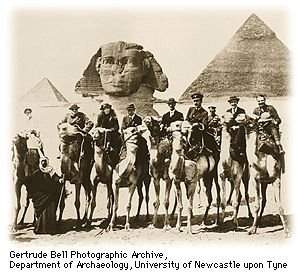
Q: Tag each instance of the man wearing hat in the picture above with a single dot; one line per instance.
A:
(131, 119)
(214, 127)
(235, 110)
(267, 113)
(82, 123)
(171, 116)
(236, 128)
(197, 114)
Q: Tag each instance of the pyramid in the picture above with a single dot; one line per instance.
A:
(254, 62)
(44, 93)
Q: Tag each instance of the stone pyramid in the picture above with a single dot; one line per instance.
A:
(254, 62)
(44, 93)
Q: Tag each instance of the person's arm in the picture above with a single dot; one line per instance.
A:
(188, 114)
(123, 124)
(181, 116)
(88, 124)
(204, 120)
(275, 116)
(115, 124)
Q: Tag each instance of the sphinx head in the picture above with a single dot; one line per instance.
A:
(124, 67)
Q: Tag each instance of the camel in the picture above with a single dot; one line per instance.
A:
(160, 154)
(102, 167)
(26, 154)
(130, 171)
(234, 165)
(268, 169)
(182, 170)
(206, 163)
(76, 168)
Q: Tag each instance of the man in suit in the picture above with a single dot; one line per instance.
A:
(171, 116)
(235, 110)
(237, 131)
(131, 119)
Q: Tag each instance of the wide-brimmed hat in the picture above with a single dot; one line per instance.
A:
(131, 107)
(171, 101)
(265, 117)
(197, 95)
(27, 109)
(74, 107)
(233, 98)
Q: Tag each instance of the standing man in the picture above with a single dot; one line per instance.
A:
(83, 124)
(275, 121)
(171, 116)
(131, 119)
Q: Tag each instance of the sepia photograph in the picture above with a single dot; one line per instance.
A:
(150, 125)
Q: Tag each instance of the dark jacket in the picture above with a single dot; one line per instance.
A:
(238, 111)
(79, 119)
(107, 121)
(167, 119)
(43, 189)
(128, 122)
(195, 115)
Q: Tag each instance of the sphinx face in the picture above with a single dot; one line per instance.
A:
(121, 70)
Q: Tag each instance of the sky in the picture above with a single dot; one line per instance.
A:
(58, 43)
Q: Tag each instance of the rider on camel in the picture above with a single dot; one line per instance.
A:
(267, 116)
(83, 124)
(108, 121)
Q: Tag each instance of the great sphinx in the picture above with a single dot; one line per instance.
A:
(122, 73)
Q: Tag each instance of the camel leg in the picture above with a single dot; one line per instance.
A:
(147, 181)
(77, 202)
(245, 179)
(199, 193)
(156, 204)
(88, 198)
(190, 187)
(166, 205)
(25, 209)
(115, 187)
(110, 200)
(223, 196)
(93, 200)
(141, 198)
(18, 187)
(264, 186)
(131, 190)
(253, 229)
(62, 204)
(218, 199)
(229, 201)
(236, 204)
(208, 186)
(277, 196)
(178, 192)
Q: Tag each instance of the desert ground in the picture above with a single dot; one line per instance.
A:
(140, 232)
